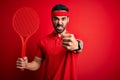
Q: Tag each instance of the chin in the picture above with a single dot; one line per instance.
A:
(60, 31)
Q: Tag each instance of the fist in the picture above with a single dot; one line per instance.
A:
(21, 63)
(69, 42)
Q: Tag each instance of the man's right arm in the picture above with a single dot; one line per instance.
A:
(24, 64)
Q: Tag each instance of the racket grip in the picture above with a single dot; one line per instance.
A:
(22, 68)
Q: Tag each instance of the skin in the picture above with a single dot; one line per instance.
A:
(68, 41)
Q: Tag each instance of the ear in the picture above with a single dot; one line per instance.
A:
(68, 19)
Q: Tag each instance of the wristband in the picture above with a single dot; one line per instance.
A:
(79, 46)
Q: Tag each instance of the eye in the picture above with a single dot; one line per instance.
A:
(64, 18)
(55, 18)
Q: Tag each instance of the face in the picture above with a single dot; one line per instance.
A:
(59, 23)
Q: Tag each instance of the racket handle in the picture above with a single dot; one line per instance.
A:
(24, 42)
(22, 68)
(23, 51)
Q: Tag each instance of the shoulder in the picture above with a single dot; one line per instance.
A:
(46, 38)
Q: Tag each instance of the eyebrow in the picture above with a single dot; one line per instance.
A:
(63, 17)
(55, 17)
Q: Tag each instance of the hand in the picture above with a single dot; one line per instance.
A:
(69, 42)
(21, 63)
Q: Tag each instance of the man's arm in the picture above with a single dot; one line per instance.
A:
(22, 63)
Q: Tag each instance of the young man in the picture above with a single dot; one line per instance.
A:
(58, 52)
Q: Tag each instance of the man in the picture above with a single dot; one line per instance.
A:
(58, 52)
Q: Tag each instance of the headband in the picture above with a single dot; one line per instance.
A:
(58, 13)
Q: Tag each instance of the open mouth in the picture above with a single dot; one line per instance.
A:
(59, 28)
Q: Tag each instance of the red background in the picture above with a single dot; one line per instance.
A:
(96, 21)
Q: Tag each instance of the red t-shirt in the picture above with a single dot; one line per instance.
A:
(57, 62)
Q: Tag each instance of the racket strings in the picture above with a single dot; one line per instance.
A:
(18, 23)
(22, 24)
(26, 21)
(32, 22)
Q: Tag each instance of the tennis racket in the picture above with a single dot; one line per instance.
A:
(25, 23)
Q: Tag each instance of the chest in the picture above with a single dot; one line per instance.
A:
(53, 48)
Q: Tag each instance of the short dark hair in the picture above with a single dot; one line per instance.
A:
(60, 7)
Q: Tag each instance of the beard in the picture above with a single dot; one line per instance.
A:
(59, 28)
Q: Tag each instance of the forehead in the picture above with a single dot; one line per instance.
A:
(60, 17)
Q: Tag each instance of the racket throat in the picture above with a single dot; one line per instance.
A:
(24, 46)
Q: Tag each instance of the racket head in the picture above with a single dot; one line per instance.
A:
(26, 21)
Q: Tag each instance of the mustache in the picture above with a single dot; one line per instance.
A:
(59, 25)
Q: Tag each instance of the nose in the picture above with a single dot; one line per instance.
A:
(60, 21)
